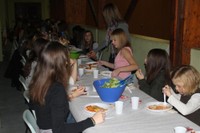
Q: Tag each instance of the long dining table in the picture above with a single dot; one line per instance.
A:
(141, 120)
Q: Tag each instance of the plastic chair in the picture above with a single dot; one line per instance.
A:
(26, 97)
(30, 121)
(23, 82)
(23, 60)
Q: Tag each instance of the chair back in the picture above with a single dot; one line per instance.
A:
(30, 121)
(26, 96)
(23, 60)
(23, 82)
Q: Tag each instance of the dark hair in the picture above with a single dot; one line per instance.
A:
(53, 66)
(111, 14)
(157, 60)
(84, 43)
(38, 46)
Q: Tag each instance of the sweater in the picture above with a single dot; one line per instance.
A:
(189, 105)
(154, 89)
(54, 113)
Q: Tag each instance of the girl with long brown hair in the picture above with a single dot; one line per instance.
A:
(48, 92)
(157, 65)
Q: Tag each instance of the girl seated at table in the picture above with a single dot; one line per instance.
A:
(187, 83)
(48, 92)
(31, 62)
(157, 65)
(88, 43)
(124, 62)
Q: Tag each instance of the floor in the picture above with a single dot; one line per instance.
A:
(12, 105)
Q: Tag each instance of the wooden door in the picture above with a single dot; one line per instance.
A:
(185, 32)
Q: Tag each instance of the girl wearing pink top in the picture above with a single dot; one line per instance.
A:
(124, 62)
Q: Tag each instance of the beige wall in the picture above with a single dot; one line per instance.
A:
(142, 45)
(195, 58)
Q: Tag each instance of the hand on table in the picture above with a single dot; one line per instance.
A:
(92, 55)
(79, 91)
(99, 117)
(115, 73)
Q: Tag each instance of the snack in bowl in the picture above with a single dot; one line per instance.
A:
(112, 83)
(111, 92)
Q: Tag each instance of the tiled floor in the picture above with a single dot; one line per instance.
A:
(12, 105)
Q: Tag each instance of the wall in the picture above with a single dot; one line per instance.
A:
(7, 18)
(2, 25)
(195, 58)
(142, 44)
(1, 54)
(10, 4)
(149, 18)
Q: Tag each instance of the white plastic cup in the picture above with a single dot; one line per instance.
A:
(95, 73)
(81, 71)
(180, 129)
(135, 102)
(93, 89)
(119, 107)
(79, 61)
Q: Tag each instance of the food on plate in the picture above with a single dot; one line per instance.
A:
(91, 66)
(94, 108)
(159, 107)
(112, 83)
(81, 66)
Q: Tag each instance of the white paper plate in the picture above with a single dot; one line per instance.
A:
(106, 73)
(83, 56)
(101, 105)
(91, 62)
(158, 106)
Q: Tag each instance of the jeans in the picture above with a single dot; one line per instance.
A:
(70, 118)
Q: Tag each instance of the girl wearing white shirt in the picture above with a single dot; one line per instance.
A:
(187, 83)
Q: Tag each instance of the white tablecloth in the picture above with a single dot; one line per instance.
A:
(131, 121)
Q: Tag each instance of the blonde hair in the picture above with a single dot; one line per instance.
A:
(189, 76)
(121, 35)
